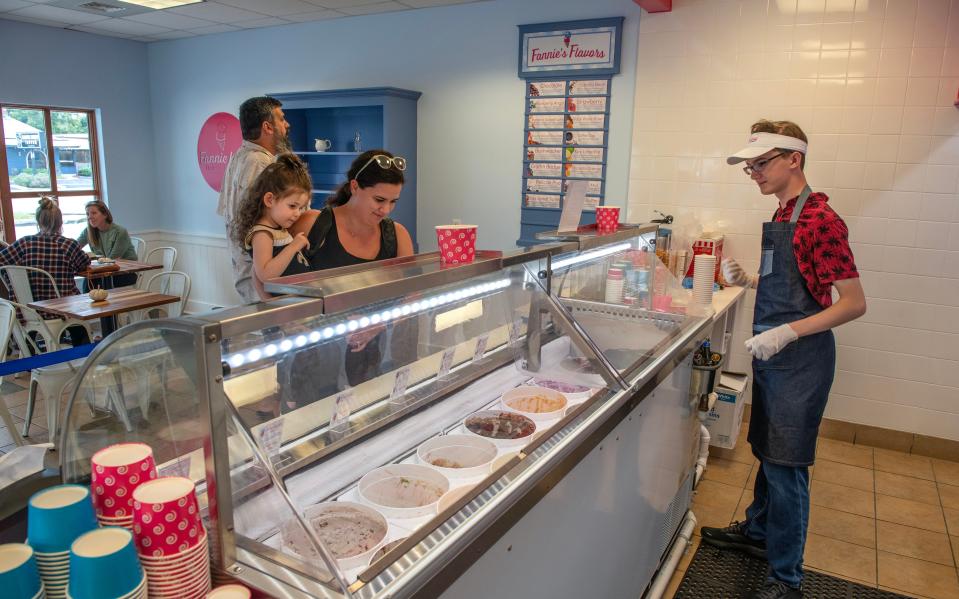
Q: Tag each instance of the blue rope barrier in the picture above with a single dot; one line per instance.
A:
(47, 359)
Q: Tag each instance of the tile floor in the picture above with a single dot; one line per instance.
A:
(881, 518)
(14, 392)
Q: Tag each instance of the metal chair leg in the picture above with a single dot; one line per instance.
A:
(53, 418)
(31, 404)
(9, 423)
(119, 400)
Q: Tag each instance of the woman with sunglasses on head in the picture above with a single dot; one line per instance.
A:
(353, 228)
(805, 255)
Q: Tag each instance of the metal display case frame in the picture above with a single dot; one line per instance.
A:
(429, 561)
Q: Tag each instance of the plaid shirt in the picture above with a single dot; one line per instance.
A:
(821, 245)
(60, 256)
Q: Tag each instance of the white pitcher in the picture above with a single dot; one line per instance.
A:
(322, 145)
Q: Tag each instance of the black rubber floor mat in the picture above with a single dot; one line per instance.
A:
(718, 574)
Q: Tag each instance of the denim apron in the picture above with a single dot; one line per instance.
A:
(791, 388)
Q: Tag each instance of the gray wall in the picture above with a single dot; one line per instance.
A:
(44, 65)
(463, 59)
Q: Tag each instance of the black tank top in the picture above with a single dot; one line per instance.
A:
(332, 254)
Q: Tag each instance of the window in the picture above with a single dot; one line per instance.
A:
(29, 169)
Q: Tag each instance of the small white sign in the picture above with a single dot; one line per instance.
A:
(270, 436)
(572, 206)
(400, 383)
(481, 342)
(181, 467)
(514, 331)
(341, 413)
(446, 363)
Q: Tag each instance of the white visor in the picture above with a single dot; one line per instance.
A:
(760, 143)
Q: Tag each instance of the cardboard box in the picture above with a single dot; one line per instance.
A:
(711, 245)
(726, 417)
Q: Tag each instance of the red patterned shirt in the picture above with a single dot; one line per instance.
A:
(821, 244)
(60, 256)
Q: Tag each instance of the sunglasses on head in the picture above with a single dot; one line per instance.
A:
(384, 162)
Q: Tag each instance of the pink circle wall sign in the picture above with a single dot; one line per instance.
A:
(219, 137)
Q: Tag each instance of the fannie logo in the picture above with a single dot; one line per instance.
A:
(219, 138)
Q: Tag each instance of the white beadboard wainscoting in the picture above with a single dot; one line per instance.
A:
(207, 260)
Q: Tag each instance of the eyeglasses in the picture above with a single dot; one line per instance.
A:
(759, 165)
(384, 162)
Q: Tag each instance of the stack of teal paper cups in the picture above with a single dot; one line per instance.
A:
(19, 576)
(104, 565)
(55, 518)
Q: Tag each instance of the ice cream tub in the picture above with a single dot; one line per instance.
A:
(458, 456)
(537, 403)
(403, 490)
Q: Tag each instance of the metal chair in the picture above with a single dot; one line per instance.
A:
(169, 283)
(165, 255)
(17, 281)
(140, 246)
(50, 382)
(8, 320)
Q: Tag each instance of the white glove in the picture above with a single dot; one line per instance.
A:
(769, 343)
(735, 275)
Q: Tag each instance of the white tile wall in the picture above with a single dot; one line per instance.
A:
(873, 83)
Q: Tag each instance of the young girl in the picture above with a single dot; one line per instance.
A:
(277, 198)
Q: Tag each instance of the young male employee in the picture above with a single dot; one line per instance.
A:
(805, 254)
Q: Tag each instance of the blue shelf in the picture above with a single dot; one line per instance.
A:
(385, 117)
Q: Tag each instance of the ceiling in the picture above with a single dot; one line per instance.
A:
(212, 16)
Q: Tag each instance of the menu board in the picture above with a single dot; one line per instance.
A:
(547, 105)
(588, 87)
(545, 121)
(544, 169)
(539, 200)
(581, 154)
(566, 139)
(545, 153)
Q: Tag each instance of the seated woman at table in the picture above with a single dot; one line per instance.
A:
(49, 250)
(107, 239)
(353, 228)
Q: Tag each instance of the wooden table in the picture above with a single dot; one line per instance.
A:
(126, 266)
(81, 307)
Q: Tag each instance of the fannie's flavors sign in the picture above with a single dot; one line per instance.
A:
(565, 49)
(219, 137)
(552, 49)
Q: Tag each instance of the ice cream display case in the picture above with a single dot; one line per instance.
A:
(404, 429)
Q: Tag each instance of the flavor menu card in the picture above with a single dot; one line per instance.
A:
(566, 125)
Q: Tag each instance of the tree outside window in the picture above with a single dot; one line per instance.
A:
(47, 151)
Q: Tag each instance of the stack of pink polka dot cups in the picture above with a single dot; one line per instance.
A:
(170, 538)
(115, 472)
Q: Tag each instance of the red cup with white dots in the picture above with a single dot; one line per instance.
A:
(607, 219)
(166, 517)
(115, 472)
(456, 244)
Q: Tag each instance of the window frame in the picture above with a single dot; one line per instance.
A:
(7, 194)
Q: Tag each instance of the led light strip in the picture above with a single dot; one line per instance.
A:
(270, 350)
(606, 251)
